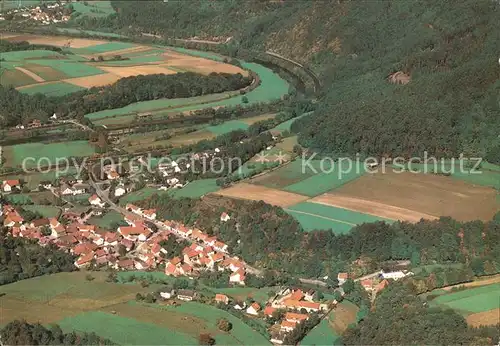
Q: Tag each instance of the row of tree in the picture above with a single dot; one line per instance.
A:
(16, 107)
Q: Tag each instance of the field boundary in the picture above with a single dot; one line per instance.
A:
(319, 216)
(30, 74)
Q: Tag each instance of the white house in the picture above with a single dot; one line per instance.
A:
(225, 217)
(237, 277)
(8, 185)
(120, 191)
(396, 275)
(166, 293)
(253, 309)
(96, 201)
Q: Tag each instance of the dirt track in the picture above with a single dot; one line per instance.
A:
(31, 74)
(257, 193)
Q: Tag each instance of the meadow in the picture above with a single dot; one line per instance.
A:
(15, 155)
(322, 334)
(44, 210)
(471, 300)
(318, 216)
(107, 220)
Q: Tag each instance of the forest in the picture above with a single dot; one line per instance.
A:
(448, 51)
(22, 259)
(7, 46)
(16, 107)
(398, 317)
(24, 333)
(266, 236)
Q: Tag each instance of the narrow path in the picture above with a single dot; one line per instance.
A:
(321, 217)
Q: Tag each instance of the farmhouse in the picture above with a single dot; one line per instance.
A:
(342, 277)
(222, 298)
(166, 292)
(9, 185)
(225, 217)
(396, 275)
(253, 309)
(238, 277)
(96, 201)
(186, 295)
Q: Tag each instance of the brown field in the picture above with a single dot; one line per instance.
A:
(197, 64)
(31, 74)
(48, 73)
(94, 81)
(16, 78)
(253, 120)
(60, 41)
(485, 318)
(343, 315)
(476, 283)
(136, 49)
(261, 193)
(372, 208)
(422, 193)
(128, 71)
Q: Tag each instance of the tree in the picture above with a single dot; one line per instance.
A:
(206, 340)
(122, 250)
(89, 277)
(224, 325)
(244, 99)
(100, 58)
(348, 286)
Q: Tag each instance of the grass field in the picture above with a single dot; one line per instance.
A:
(101, 8)
(52, 89)
(107, 220)
(473, 300)
(195, 189)
(44, 210)
(14, 155)
(19, 199)
(317, 216)
(29, 54)
(109, 47)
(310, 178)
(140, 195)
(286, 126)
(322, 334)
(227, 127)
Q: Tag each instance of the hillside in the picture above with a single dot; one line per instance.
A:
(447, 49)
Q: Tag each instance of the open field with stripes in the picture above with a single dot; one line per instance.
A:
(480, 305)
(86, 63)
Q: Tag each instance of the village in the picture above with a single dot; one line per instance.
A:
(45, 14)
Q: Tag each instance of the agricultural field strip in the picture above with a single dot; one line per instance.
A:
(319, 216)
(473, 300)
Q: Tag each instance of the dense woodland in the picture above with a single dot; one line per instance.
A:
(16, 107)
(7, 46)
(24, 333)
(22, 259)
(398, 317)
(448, 49)
(266, 236)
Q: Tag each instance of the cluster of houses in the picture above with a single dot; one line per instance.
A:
(51, 13)
(206, 253)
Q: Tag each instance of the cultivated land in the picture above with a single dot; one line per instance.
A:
(15, 155)
(37, 71)
(318, 216)
(261, 193)
(480, 305)
(422, 193)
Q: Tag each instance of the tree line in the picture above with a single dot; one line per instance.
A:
(23, 333)
(23, 258)
(7, 46)
(269, 237)
(16, 107)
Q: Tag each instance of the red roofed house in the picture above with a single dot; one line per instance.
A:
(342, 277)
(294, 317)
(297, 295)
(96, 201)
(149, 214)
(238, 277)
(84, 260)
(133, 208)
(134, 233)
(225, 217)
(8, 185)
(175, 261)
(287, 326)
(170, 269)
(367, 284)
(186, 269)
(382, 284)
(253, 309)
(220, 246)
(222, 298)
(12, 219)
(269, 310)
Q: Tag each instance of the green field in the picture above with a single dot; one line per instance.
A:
(32, 180)
(44, 210)
(89, 32)
(52, 89)
(139, 195)
(286, 125)
(109, 47)
(107, 220)
(136, 60)
(124, 330)
(471, 300)
(15, 78)
(29, 54)
(318, 216)
(19, 199)
(15, 155)
(15, 3)
(227, 127)
(322, 334)
(101, 8)
(72, 69)
(272, 87)
(195, 189)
